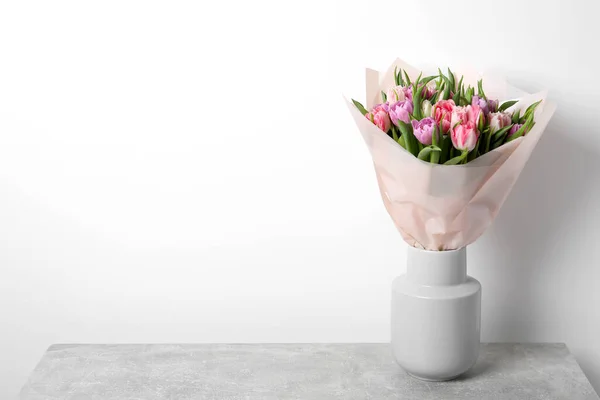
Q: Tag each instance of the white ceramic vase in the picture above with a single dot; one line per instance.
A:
(436, 315)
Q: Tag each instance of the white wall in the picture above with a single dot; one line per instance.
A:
(186, 172)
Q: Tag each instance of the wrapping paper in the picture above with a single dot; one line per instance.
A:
(446, 207)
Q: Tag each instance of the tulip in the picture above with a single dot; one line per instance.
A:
(462, 115)
(426, 108)
(379, 116)
(478, 101)
(498, 121)
(430, 90)
(395, 94)
(427, 91)
(401, 111)
(408, 92)
(442, 113)
(424, 130)
(382, 107)
(513, 129)
(492, 105)
(464, 136)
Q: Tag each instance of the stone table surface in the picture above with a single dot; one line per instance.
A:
(295, 371)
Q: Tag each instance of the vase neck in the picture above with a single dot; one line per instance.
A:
(436, 268)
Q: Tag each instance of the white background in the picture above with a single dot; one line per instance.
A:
(178, 171)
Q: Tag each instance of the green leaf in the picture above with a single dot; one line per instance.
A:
(384, 96)
(469, 95)
(497, 144)
(473, 154)
(480, 91)
(360, 107)
(481, 122)
(435, 97)
(453, 152)
(516, 116)
(401, 142)
(457, 160)
(502, 132)
(517, 134)
(400, 79)
(416, 100)
(396, 81)
(418, 79)
(428, 79)
(530, 127)
(404, 127)
(407, 78)
(440, 82)
(416, 114)
(507, 104)
(435, 156)
(394, 133)
(446, 93)
(446, 146)
(532, 107)
(409, 138)
(488, 139)
(452, 80)
(448, 85)
(427, 150)
(529, 111)
(482, 138)
(529, 123)
(456, 98)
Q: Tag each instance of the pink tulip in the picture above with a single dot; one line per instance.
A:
(498, 121)
(379, 116)
(401, 111)
(462, 115)
(424, 130)
(395, 94)
(408, 92)
(382, 120)
(442, 113)
(464, 135)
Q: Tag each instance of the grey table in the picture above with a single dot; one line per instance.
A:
(295, 371)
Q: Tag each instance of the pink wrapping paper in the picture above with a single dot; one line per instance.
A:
(445, 207)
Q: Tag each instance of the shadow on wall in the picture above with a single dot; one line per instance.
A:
(537, 278)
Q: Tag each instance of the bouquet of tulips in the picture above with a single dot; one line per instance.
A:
(441, 120)
(446, 152)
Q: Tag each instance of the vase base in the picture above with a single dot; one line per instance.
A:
(434, 380)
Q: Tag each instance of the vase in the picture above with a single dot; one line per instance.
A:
(436, 315)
